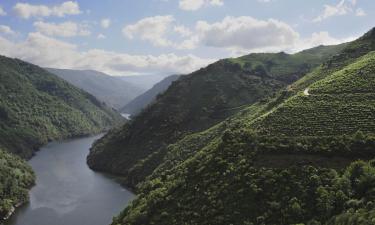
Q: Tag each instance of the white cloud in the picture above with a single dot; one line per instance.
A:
(216, 2)
(319, 38)
(243, 35)
(105, 23)
(49, 52)
(26, 10)
(342, 8)
(360, 12)
(65, 29)
(182, 30)
(2, 12)
(101, 36)
(247, 33)
(152, 29)
(6, 30)
(192, 5)
(238, 35)
(156, 30)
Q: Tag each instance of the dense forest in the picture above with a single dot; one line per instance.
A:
(16, 177)
(302, 156)
(37, 106)
(196, 102)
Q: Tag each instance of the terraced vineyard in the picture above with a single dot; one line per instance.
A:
(343, 101)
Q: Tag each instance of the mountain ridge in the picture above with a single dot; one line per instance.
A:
(235, 173)
(196, 102)
(38, 107)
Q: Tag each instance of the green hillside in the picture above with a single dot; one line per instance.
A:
(16, 177)
(303, 157)
(343, 101)
(196, 102)
(37, 107)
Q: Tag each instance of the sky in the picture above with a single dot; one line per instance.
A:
(135, 37)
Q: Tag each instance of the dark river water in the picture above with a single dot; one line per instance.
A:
(67, 191)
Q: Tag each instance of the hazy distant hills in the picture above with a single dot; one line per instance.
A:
(114, 91)
(140, 102)
(144, 82)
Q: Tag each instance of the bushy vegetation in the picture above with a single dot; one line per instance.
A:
(196, 102)
(16, 177)
(224, 184)
(36, 107)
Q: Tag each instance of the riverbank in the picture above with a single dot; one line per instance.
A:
(36, 148)
(12, 210)
(67, 192)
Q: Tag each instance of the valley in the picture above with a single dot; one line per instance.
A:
(67, 191)
(204, 112)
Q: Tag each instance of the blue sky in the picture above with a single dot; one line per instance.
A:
(122, 37)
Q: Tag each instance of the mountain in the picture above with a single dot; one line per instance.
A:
(304, 156)
(144, 81)
(115, 92)
(37, 107)
(143, 100)
(196, 102)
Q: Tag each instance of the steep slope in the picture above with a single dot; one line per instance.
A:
(286, 161)
(114, 91)
(136, 105)
(16, 177)
(344, 101)
(36, 107)
(194, 103)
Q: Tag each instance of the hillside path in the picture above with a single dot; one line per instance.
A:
(306, 92)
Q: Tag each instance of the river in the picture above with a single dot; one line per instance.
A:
(67, 192)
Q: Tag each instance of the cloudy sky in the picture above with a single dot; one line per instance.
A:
(131, 37)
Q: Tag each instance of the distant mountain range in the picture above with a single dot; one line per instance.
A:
(143, 100)
(114, 91)
(144, 82)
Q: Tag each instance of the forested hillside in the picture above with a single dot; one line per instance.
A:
(194, 103)
(37, 106)
(302, 157)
